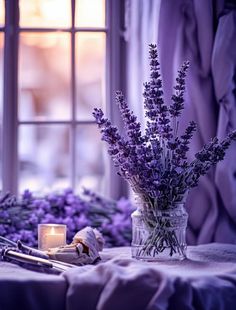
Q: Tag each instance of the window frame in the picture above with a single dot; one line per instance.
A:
(115, 79)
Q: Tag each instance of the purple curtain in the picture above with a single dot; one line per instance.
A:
(203, 32)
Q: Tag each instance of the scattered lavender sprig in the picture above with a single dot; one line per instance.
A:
(19, 218)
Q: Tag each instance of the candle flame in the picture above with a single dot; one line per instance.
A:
(52, 231)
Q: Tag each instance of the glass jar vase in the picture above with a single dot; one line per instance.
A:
(160, 235)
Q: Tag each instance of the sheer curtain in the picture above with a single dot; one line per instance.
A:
(203, 32)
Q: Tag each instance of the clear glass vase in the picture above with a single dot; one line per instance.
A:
(160, 235)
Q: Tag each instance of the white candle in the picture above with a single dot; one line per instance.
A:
(53, 240)
(51, 236)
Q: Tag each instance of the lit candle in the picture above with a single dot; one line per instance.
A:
(51, 236)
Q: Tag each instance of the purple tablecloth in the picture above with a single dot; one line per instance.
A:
(22, 289)
(206, 280)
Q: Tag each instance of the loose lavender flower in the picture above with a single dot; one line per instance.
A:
(19, 220)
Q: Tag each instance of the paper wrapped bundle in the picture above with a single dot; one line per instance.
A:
(83, 250)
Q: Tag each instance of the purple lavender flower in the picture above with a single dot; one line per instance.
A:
(121, 151)
(180, 146)
(27, 195)
(156, 111)
(178, 98)
(155, 164)
(132, 126)
(20, 220)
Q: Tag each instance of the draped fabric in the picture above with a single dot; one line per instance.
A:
(24, 289)
(203, 32)
(206, 280)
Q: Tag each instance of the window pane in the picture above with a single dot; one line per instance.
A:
(90, 13)
(44, 76)
(2, 13)
(90, 69)
(45, 13)
(90, 158)
(1, 101)
(43, 157)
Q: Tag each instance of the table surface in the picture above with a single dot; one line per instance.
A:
(205, 280)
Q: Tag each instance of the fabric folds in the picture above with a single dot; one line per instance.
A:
(206, 280)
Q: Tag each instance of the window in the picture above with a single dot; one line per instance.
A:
(60, 55)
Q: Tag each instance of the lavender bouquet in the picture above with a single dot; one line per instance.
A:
(154, 162)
